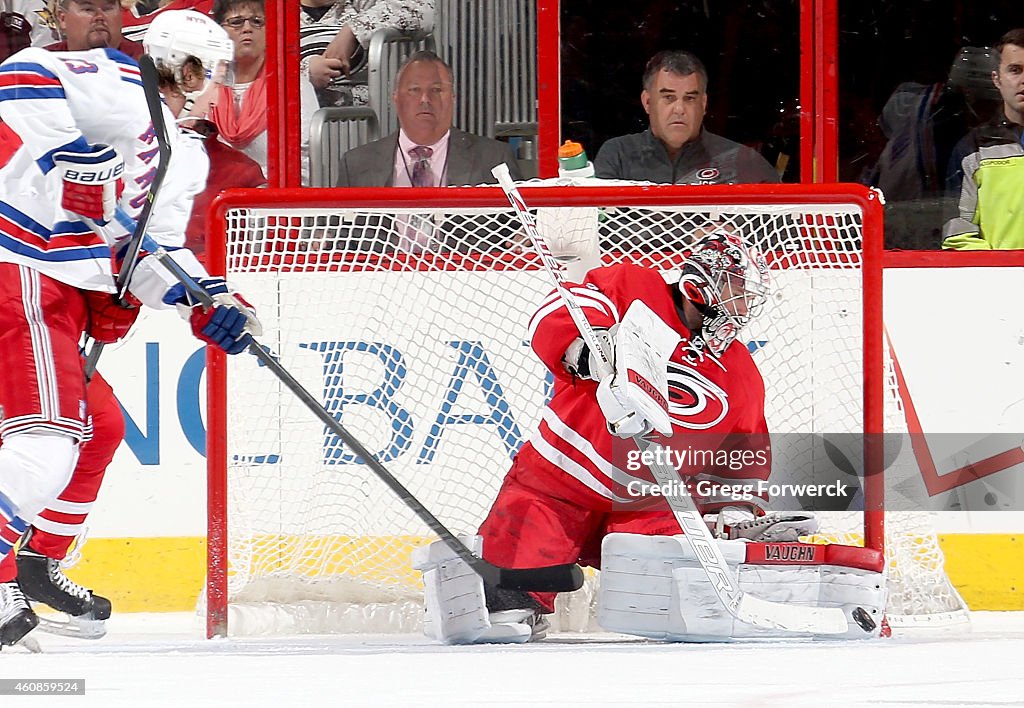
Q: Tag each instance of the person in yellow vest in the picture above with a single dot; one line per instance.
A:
(992, 194)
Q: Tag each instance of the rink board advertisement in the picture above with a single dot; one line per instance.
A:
(963, 364)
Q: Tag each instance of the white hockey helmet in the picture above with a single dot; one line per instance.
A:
(727, 280)
(176, 35)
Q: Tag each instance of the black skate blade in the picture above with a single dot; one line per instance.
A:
(553, 578)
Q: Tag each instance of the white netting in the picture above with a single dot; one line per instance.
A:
(412, 325)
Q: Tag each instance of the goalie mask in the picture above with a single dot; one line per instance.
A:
(727, 281)
(191, 46)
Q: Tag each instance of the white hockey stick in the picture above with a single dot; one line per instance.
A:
(745, 607)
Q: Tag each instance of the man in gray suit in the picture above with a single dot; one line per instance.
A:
(426, 151)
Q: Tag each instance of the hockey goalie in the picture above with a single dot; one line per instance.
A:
(578, 491)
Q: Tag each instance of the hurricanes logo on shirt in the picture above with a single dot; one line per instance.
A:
(694, 401)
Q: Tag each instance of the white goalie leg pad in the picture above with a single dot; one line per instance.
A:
(640, 592)
(654, 586)
(455, 608)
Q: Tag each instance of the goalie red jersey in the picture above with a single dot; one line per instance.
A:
(716, 404)
(574, 482)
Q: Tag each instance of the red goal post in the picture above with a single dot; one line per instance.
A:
(326, 271)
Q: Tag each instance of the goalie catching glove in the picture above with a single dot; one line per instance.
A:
(635, 400)
(230, 324)
(92, 181)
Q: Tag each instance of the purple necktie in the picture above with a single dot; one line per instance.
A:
(421, 174)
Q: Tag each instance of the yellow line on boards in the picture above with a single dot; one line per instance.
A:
(167, 574)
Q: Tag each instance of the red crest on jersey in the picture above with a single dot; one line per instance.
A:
(694, 401)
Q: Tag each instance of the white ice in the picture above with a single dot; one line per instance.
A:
(163, 660)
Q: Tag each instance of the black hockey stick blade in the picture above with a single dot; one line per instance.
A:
(154, 103)
(555, 578)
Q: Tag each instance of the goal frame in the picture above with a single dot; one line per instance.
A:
(867, 200)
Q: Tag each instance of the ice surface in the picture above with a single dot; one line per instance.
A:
(163, 660)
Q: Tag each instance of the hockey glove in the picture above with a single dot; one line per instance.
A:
(109, 321)
(92, 181)
(581, 362)
(625, 417)
(635, 400)
(229, 324)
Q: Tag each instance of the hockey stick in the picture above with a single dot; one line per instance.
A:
(555, 578)
(743, 606)
(151, 87)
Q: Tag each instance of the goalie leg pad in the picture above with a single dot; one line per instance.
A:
(654, 586)
(455, 604)
(455, 609)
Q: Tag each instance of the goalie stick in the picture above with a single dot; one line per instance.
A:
(743, 606)
(555, 578)
(150, 85)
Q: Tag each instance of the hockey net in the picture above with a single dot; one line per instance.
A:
(410, 320)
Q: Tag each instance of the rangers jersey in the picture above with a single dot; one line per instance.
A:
(716, 404)
(51, 101)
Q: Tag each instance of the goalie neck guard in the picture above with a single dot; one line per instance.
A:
(176, 36)
(727, 281)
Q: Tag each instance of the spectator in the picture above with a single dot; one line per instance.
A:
(676, 149)
(228, 167)
(240, 113)
(334, 37)
(993, 170)
(91, 24)
(426, 150)
(25, 23)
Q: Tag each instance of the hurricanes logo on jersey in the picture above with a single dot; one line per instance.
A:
(694, 402)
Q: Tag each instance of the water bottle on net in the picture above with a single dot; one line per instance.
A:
(573, 162)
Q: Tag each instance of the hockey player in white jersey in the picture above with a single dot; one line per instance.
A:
(77, 143)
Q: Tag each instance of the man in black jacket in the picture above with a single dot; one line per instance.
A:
(676, 149)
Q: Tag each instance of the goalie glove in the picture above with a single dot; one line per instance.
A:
(635, 400)
(230, 324)
(92, 181)
(581, 362)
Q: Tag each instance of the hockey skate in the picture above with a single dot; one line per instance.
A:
(515, 627)
(774, 527)
(43, 580)
(16, 618)
(515, 618)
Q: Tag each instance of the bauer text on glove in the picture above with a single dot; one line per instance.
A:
(92, 181)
